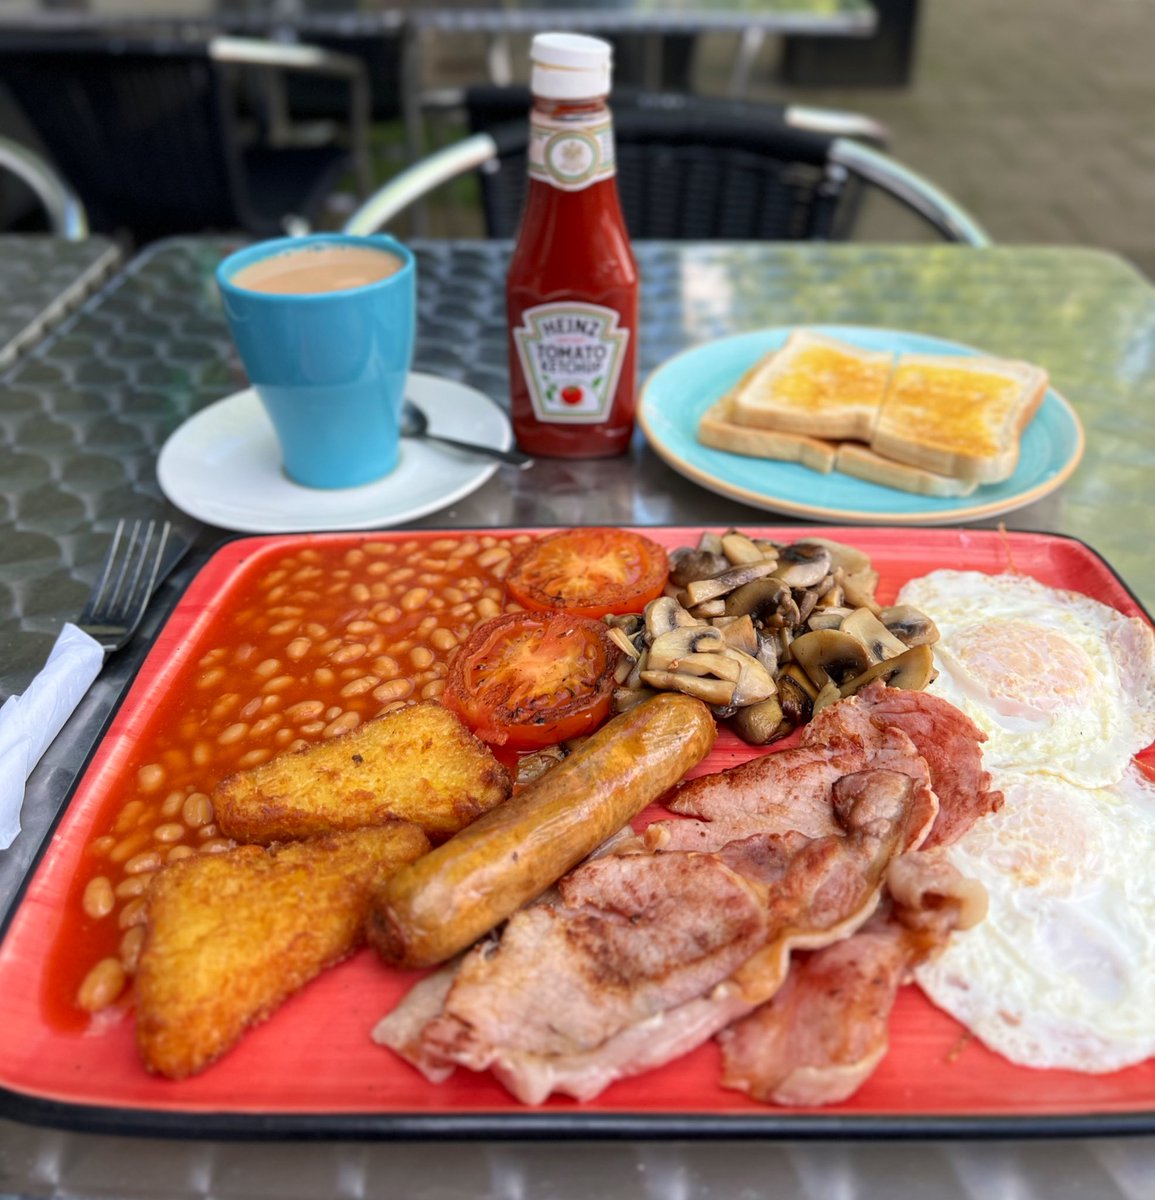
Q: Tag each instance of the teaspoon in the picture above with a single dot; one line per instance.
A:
(415, 424)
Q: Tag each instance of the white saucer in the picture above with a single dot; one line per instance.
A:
(223, 466)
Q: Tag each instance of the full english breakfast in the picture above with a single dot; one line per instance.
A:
(898, 768)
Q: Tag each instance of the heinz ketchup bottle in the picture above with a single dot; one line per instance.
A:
(572, 290)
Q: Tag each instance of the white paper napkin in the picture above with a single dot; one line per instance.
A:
(29, 722)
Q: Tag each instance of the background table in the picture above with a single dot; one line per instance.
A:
(752, 21)
(390, 34)
(84, 415)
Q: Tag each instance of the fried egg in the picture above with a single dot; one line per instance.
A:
(1060, 683)
(1062, 971)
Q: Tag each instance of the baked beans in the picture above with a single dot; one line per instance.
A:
(130, 947)
(306, 647)
(99, 898)
(102, 985)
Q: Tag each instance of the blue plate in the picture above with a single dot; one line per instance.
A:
(677, 394)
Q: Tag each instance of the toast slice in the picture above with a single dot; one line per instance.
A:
(851, 458)
(962, 417)
(814, 385)
(716, 429)
(862, 462)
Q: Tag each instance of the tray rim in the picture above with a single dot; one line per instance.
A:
(533, 1124)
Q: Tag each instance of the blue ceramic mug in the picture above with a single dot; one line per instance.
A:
(330, 366)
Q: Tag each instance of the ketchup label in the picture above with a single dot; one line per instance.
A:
(571, 355)
(570, 154)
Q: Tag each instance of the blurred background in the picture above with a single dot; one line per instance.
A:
(1037, 116)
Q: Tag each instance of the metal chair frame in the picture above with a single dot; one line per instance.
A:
(66, 214)
(278, 59)
(847, 156)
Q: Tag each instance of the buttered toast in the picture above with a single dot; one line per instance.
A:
(958, 416)
(815, 386)
(864, 463)
(938, 425)
(717, 429)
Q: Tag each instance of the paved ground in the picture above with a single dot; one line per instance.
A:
(1037, 115)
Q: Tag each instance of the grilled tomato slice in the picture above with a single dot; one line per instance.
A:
(589, 571)
(531, 679)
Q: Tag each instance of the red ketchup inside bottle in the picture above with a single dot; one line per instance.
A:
(572, 289)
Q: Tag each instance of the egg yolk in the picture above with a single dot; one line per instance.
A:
(1024, 668)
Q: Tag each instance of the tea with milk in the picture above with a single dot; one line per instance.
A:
(314, 269)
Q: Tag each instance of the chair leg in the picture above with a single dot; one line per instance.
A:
(411, 89)
(653, 49)
(499, 60)
(360, 108)
(749, 46)
(411, 83)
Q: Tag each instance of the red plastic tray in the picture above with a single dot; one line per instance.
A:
(312, 1067)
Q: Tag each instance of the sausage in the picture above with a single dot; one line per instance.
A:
(433, 908)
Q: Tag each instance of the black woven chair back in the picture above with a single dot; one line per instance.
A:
(145, 132)
(687, 169)
(137, 132)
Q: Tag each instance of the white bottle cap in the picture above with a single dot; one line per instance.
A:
(569, 66)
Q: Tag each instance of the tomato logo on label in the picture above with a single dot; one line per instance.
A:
(571, 394)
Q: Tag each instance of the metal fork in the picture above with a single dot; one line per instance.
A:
(131, 568)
